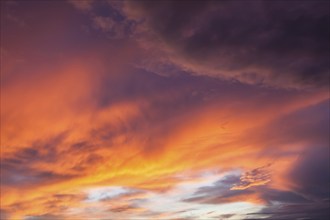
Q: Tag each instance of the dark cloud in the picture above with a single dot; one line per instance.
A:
(220, 191)
(107, 17)
(312, 173)
(225, 190)
(308, 211)
(232, 187)
(226, 216)
(140, 84)
(18, 170)
(272, 195)
(17, 174)
(266, 42)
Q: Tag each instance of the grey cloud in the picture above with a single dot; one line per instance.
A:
(313, 198)
(221, 192)
(308, 211)
(277, 43)
(218, 193)
(312, 173)
(44, 217)
(15, 174)
(106, 16)
(279, 204)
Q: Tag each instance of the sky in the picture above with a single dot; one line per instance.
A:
(180, 110)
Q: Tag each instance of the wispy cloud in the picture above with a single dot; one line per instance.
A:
(256, 177)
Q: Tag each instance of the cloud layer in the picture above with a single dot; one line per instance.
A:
(283, 44)
(164, 111)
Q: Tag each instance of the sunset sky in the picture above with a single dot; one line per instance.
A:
(164, 109)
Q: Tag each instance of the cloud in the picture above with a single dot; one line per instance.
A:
(40, 217)
(311, 173)
(81, 111)
(307, 198)
(118, 147)
(104, 23)
(256, 177)
(83, 5)
(117, 142)
(268, 43)
(21, 169)
(44, 207)
(113, 28)
(220, 192)
(107, 17)
(294, 211)
(3, 214)
(127, 208)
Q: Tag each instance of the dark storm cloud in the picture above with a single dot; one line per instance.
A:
(282, 43)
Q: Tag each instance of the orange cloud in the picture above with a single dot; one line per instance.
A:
(257, 177)
(199, 140)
